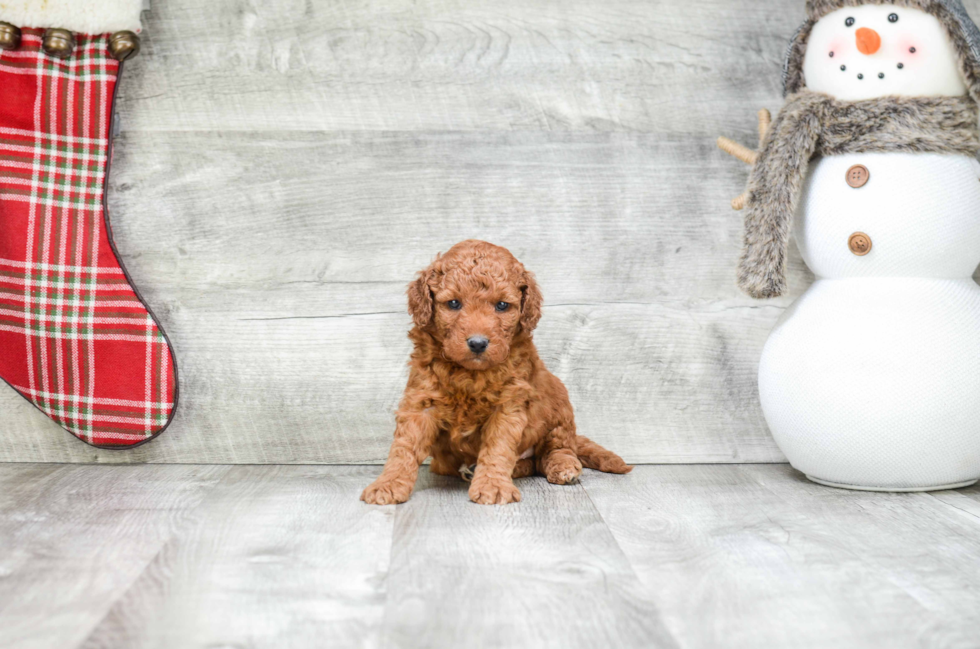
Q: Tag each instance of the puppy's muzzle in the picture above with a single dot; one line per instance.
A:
(477, 344)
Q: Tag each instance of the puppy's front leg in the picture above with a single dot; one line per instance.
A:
(492, 483)
(415, 432)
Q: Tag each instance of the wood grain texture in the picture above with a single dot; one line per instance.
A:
(705, 556)
(756, 556)
(544, 572)
(286, 167)
(281, 557)
(73, 539)
(437, 65)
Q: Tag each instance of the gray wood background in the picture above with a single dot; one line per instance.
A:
(285, 167)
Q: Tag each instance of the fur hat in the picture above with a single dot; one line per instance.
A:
(961, 29)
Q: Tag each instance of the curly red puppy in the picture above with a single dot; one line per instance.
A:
(477, 390)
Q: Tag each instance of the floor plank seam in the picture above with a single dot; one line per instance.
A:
(609, 529)
(386, 632)
(177, 530)
(644, 590)
(951, 505)
(123, 592)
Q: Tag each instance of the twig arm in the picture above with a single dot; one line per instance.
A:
(745, 154)
(736, 150)
(765, 121)
(738, 203)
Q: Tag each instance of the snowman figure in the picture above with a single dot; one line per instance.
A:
(871, 379)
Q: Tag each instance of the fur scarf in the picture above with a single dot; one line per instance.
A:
(816, 124)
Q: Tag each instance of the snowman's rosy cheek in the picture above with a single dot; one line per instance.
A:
(907, 44)
(908, 52)
(839, 47)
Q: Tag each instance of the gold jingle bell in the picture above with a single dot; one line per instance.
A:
(124, 45)
(9, 37)
(59, 43)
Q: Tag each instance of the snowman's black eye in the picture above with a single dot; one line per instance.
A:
(849, 22)
(893, 18)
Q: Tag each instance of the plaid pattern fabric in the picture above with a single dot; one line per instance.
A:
(75, 339)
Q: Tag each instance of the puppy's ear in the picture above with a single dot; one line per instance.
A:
(530, 302)
(420, 301)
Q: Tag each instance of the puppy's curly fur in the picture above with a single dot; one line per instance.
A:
(499, 408)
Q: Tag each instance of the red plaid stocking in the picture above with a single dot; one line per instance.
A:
(75, 338)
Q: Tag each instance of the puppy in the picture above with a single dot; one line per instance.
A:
(477, 391)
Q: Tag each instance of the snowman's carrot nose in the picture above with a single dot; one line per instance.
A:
(868, 41)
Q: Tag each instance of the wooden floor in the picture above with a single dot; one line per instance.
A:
(670, 556)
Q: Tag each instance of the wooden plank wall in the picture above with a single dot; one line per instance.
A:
(285, 167)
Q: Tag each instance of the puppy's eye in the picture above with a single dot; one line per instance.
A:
(893, 18)
(849, 22)
(502, 306)
(455, 305)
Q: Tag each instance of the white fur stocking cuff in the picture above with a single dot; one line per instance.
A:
(82, 16)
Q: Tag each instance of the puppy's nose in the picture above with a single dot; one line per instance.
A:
(477, 344)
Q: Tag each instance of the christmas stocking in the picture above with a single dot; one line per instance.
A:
(76, 339)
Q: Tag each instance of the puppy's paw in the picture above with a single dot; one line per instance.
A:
(387, 492)
(494, 491)
(563, 470)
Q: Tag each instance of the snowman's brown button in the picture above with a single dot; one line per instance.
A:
(859, 243)
(858, 176)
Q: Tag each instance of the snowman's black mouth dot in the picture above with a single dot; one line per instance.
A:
(912, 49)
(881, 75)
(901, 65)
(831, 55)
(843, 68)
(860, 76)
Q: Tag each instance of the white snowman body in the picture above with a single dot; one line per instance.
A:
(871, 379)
